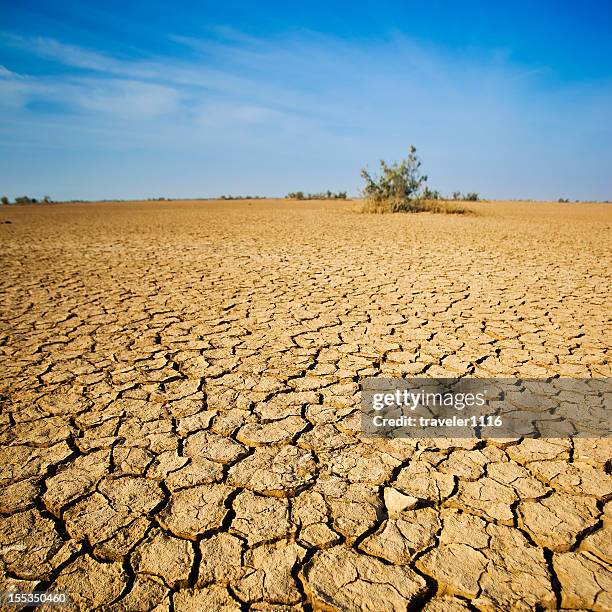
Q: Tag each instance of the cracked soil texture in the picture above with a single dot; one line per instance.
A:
(179, 395)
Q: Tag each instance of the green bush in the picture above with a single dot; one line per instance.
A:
(471, 197)
(399, 186)
(4, 200)
(402, 188)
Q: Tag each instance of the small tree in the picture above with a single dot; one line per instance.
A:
(456, 195)
(4, 200)
(399, 186)
(471, 197)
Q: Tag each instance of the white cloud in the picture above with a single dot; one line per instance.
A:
(121, 98)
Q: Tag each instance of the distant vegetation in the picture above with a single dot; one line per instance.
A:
(402, 188)
(247, 197)
(322, 195)
(457, 196)
(25, 200)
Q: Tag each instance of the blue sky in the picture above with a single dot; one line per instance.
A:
(148, 99)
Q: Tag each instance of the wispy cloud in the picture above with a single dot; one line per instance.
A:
(119, 98)
(308, 96)
(68, 55)
(157, 69)
(124, 98)
(309, 74)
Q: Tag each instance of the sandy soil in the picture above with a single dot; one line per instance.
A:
(179, 389)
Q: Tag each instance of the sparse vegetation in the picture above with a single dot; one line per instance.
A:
(246, 197)
(429, 194)
(320, 195)
(563, 200)
(471, 196)
(26, 200)
(443, 207)
(402, 188)
(295, 195)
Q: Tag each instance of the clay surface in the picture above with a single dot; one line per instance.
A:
(179, 395)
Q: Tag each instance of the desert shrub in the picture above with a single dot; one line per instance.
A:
(398, 188)
(429, 194)
(319, 195)
(327, 195)
(4, 200)
(471, 196)
(563, 200)
(441, 206)
(295, 195)
(413, 206)
(25, 200)
(232, 197)
(401, 188)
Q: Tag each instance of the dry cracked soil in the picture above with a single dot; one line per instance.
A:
(179, 400)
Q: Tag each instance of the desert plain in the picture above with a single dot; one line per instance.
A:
(180, 391)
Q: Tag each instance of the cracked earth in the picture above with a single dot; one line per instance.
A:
(179, 396)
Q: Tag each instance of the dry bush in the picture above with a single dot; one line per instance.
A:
(382, 206)
(444, 207)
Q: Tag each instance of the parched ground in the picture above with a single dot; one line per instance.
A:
(179, 391)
